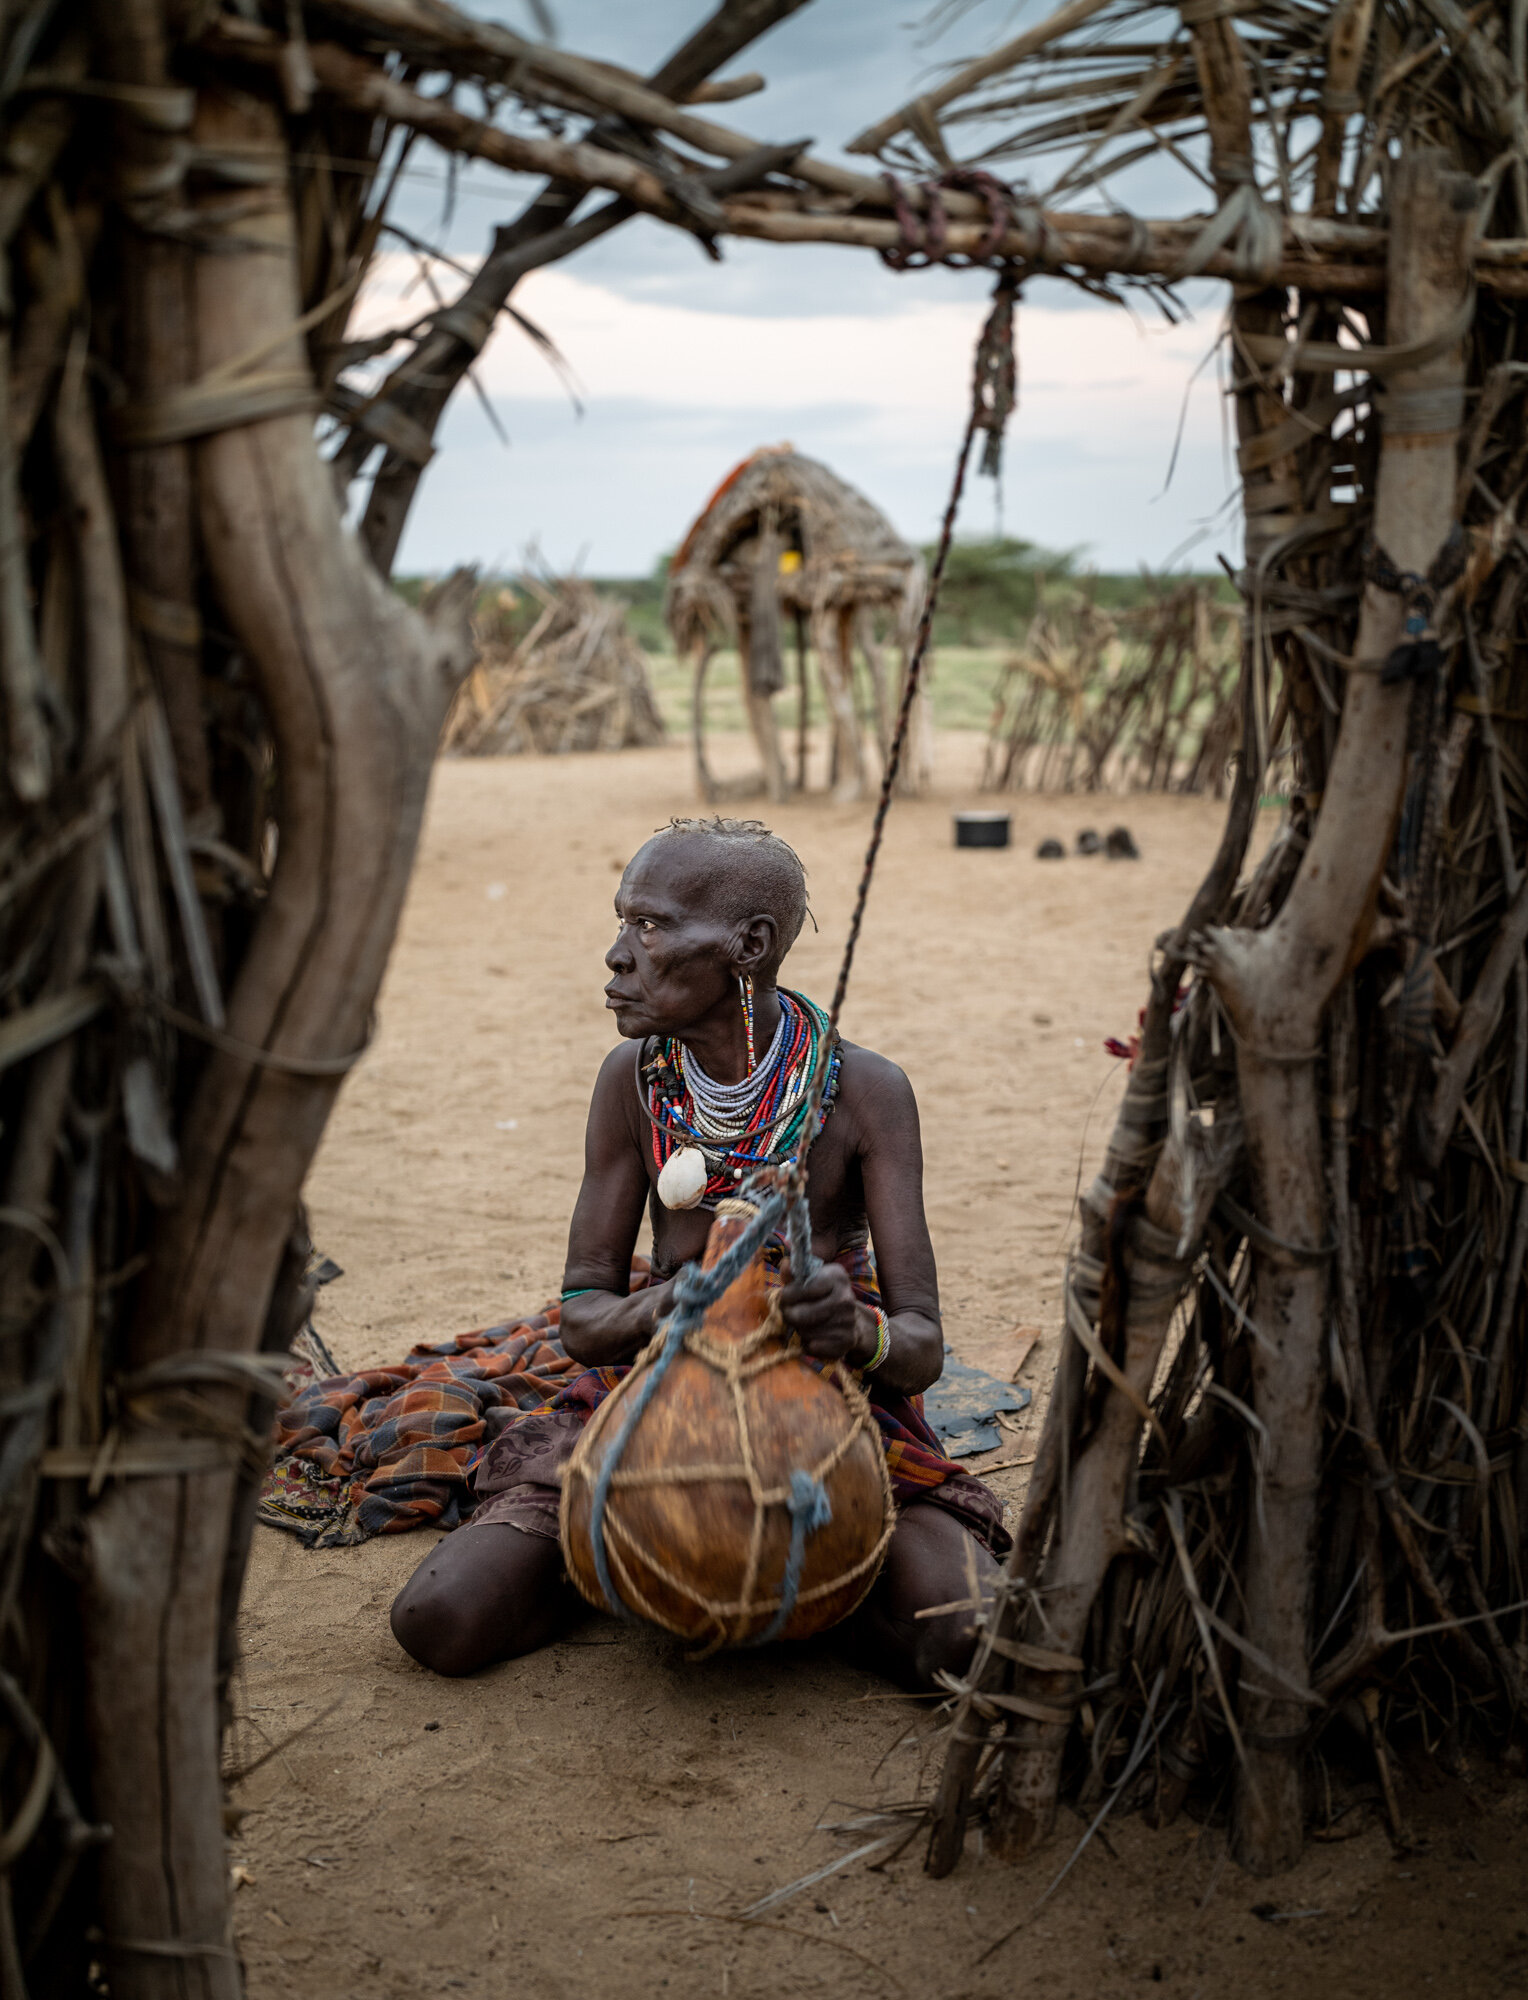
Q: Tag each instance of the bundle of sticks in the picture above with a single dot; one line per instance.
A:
(1146, 699)
(576, 680)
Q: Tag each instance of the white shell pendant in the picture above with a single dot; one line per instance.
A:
(682, 1180)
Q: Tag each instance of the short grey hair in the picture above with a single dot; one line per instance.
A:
(760, 874)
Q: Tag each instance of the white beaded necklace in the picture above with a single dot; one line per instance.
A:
(723, 1110)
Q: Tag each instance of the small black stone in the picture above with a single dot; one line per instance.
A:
(1120, 846)
(1088, 841)
(1050, 850)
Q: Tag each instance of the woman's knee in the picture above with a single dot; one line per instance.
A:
(933, 1561)
(482, 1595)
(435, 1627)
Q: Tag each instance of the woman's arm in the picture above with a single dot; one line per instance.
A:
(607, 1323)
(824, 1313)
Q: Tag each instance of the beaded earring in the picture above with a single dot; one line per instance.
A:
(745, 988)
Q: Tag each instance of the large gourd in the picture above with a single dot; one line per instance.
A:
(746, 1464)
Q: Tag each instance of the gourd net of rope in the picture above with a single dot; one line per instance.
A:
(726, 1490)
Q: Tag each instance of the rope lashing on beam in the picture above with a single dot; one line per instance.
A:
(1246, 225)
(924, 237)
(1421, 651)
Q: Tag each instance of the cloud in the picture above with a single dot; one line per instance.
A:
(674, 395)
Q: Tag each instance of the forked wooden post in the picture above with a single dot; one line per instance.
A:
(1275, 985)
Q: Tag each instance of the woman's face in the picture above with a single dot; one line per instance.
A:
(673, 958)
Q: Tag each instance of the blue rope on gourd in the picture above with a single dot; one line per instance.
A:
(695, 1289)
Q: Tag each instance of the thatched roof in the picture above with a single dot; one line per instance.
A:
(835, 550)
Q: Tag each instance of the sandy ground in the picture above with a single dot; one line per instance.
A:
(580, 1826)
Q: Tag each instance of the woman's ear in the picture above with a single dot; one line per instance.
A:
(754, 944)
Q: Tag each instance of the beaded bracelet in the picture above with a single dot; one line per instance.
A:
(882, 1343)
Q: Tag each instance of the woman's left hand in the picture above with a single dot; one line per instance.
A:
(823, 1314)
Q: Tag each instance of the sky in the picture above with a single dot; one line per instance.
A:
(682, 366)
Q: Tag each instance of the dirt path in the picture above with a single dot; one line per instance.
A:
(587, 1822)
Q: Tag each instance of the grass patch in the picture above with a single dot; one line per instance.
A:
(960, 686)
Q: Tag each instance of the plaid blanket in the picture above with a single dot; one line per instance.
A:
(397, 1448)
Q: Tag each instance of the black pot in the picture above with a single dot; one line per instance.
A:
(982, 829)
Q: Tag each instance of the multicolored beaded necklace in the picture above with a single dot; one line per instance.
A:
(758, 1122)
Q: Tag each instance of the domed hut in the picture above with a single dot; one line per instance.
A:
(784, 541)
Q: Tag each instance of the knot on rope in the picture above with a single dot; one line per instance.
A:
(1420, 653)
(925, 237)
(810, 1509)
(809, 1504)
(692, 1290)
(803, 1262)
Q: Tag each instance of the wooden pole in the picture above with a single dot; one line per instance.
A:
(356, 687)
(864, 632)
(1275, 985)
(1139, 1169)
(705, 783)
(157, 505)
(760, 710)
(803, 701)
(848, 757)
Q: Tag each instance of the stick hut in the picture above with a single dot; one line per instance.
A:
(784, 545)
(217, 725)
(1279, 1508)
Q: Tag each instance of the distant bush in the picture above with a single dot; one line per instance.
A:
(991, 588)
(991, 591)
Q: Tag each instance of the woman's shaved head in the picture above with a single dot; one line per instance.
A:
(740, 870)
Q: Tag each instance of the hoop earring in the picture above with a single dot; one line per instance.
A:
(745, 989)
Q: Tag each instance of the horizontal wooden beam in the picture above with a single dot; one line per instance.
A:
(1345, 259)
(367, 87)
(1095, 246)
(576, 81)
